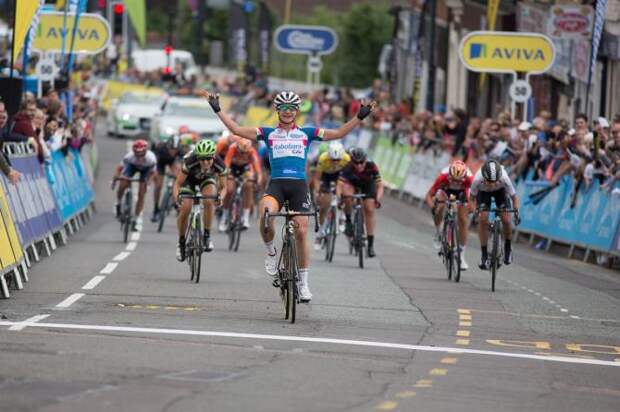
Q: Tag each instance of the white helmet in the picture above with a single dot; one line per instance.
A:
(287, 98)
(335, 150)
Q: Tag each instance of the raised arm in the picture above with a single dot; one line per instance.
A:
(214, 101)
(365, 109)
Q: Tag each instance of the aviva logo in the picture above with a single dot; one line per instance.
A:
(477, 51)
(508, 52)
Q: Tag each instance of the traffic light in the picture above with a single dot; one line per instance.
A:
(118, 17)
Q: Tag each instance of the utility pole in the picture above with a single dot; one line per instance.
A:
(430, 95)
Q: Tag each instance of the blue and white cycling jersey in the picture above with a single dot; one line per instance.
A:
(288, 151)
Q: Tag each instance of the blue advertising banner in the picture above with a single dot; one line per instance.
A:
(70, 183)
(593, 221)
(313, 40)
(33, 206)
(60, 187)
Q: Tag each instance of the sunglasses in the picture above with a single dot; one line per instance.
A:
(359, 163)
(285, 107)
(205, 159)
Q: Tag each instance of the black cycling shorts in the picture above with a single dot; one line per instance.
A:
(192, 183)
(164, 160)
(294, 190)
(499, 196)
(326, 181)
(368, 187)
(238, 171)
(458, 194)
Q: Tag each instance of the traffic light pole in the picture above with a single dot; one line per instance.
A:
(430, 94)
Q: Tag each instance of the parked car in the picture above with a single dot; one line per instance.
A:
(193, 112)
(132, 113)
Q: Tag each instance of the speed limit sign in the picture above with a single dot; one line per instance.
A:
(520, 91)
(46, 69)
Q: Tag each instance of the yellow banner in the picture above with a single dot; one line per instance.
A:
(10, 248)
(24, 13)
(114, 90)
(507, 52)
(91, 37)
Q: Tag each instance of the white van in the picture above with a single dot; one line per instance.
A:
(156, 59)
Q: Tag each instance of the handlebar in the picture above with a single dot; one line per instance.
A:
(289, 214)
(198, 196)
(127, 179)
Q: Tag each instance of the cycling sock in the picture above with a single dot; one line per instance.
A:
(224, 215)
(507, 246)
(207, 233)
(485, 252)
(348, 218)
(303, 276)
(271, 249)
(246, 214)
(371, 240)
(182, 240)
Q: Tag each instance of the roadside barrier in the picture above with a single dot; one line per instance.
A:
(48, 202)
(592, 224)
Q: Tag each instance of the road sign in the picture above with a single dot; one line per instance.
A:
(520, 91)
(313, 40)
(314, 64)
(507, 52)
(46, 68)
(92, 34)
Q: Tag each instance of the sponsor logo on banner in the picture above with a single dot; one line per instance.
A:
(507, 52)
(571, 21)
(91, 36)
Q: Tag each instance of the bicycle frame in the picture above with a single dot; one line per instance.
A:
(358, 241)
(450, 238)
(496, 231)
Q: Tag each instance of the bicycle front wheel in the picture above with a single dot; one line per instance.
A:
(126, 215)
(456, 247)
(359, 237)
(494, 256)
(197, 250)
(333, 233)
(163, 211)
(293, 272)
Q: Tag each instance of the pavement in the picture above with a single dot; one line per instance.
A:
(104, 325)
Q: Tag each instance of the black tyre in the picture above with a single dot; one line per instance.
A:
(359, 237)
(292, 292)
(333, 233)
(197, 252)
(456, 247)
(189, 255)
(163, 211)
(494, 256)
(126, 215)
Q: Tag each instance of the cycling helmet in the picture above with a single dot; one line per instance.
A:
(244, 145)
(140, 147)
(287, 98)
(323, 147)
(187, 139)
(183, 129)
(491, 171)
(457, 170)
(205, 148)
(358, 155)
(336, 150)
(173, 142)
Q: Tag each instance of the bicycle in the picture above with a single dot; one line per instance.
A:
(126, 216)
(166, 201)
(357, 242)
(450, 239)
(288, 270)
(331, 226)
(193, 234)
(497, 251)
(235, 222)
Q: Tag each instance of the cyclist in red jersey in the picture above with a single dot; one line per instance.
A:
(453, 180)
(242, 161)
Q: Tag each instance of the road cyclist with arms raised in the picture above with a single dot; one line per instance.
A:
(455, 180)
(288, 146)
(492, 183)
(201, 170)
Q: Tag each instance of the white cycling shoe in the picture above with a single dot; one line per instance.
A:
(305, 295)
(223, 225)
(271, 264)
(464, 265)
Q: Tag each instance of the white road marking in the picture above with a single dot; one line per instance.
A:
(135, 236)
(346, 342)
(70, 300)
(131, 246)
(93, 282)
(109, 268)
(574, 316)
(27, 322)
(121, 256)
(563, 310)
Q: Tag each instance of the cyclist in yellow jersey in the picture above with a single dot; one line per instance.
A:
(328, 168)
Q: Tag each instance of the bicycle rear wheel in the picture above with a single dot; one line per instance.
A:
(163, 210)
(494, 256)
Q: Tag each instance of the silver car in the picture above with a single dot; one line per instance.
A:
(131, 115)
(192, 112)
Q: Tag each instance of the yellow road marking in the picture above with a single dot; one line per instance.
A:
(464, 311)
(387, 406)
(170, 308)
(520, 344)
(449, 360)
(152, 306)
(465, 323)
(406, 394)
(572, 355)
(463, 333)
(424, 383)
(438, 372)
(606, 349)
(464, 317)
(462, 342)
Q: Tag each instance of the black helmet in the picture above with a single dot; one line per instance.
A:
(491, 171)
(358, 155)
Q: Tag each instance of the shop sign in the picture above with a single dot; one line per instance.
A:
(571, 21)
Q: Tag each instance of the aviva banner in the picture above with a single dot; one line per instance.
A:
(507, 52)
(91, 36)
